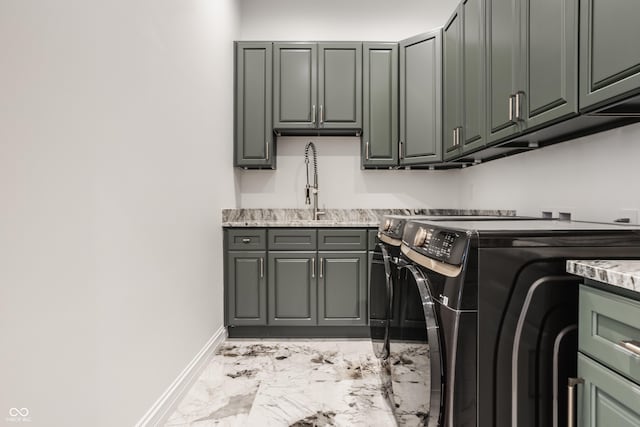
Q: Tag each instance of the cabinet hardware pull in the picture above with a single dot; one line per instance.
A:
(366, 150)
(267, 148)
(518, 106)
(457, 137)
(313, 114)
(313, 268)
(631, 346)
(401, 150)
(321, 114)
(246, 240)
(321, 267)
(510, 108)
(571, 403)
(453, 144)
(261, 268)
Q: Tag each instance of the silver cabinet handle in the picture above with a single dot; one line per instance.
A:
(321, 114)
(246, 240)
(267, 149)
(453, 144)
(313, 114)
(321, 267)
(401, 150)
(630, 346)
(518, 106)
(261, 268)
(571, 403)
(366, 150)
(313, 268)
(510, 108)
(459, 133)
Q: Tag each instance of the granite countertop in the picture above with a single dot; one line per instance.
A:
(333, 217)
(621, 273)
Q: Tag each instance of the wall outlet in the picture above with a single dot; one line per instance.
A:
(632, 214)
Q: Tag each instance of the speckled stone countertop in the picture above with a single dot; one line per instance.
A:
(621, 273)
(333, 217)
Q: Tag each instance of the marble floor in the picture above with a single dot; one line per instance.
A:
(288, 383)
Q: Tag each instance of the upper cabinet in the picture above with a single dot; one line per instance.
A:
(531, 64)
(421, 99)
(380, 105)
(253, 100)
(317, 85)
(464, 80)
(609, 51)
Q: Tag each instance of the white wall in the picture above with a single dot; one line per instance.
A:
(342, 183)
(115, 161)
(595, 178)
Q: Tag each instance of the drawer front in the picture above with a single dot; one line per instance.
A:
(292, 239)
(605, 321)
(342, 240)
(247, 239)
(373, 239)
(606, 398)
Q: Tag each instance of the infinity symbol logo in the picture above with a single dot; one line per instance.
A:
(15, 412)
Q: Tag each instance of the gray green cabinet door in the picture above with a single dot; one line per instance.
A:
(452, 84)
(295, 83)
(474, 119)
(246, 288)
(253, 120)
(503, 67)
(342, 288)
(421, 99)
(380, 105)
(550, 56)
(606, 399)
(609, 51)
(340, 85)
(292, 288)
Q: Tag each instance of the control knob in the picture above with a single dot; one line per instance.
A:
(420, 237)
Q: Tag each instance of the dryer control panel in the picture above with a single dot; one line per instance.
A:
(443, 245)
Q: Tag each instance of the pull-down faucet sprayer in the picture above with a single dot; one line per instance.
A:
(312, 188)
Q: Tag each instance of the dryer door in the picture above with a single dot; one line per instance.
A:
(415, 353)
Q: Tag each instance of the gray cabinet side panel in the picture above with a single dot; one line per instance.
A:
(380, 104)
(421, 99)
(609, 51)
(342, 289)
(292, 288)
(340, 85)
(295, 84)
(551, 42)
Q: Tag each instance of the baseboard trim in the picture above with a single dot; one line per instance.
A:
(167, 403)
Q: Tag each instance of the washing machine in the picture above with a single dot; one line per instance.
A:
(496, 337)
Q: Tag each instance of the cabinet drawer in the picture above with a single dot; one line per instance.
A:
(605, 321)
(247, 239)
(292, 239)
(606, 398)
(342, 240)
(373, 239)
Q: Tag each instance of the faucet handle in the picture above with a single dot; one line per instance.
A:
(307, 196)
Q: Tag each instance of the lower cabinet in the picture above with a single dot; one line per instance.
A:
(292, 288)
(610, 372)
(247, 295)
(304, 277)
(342, 288)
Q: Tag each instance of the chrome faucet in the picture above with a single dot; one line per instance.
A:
(312, 188)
